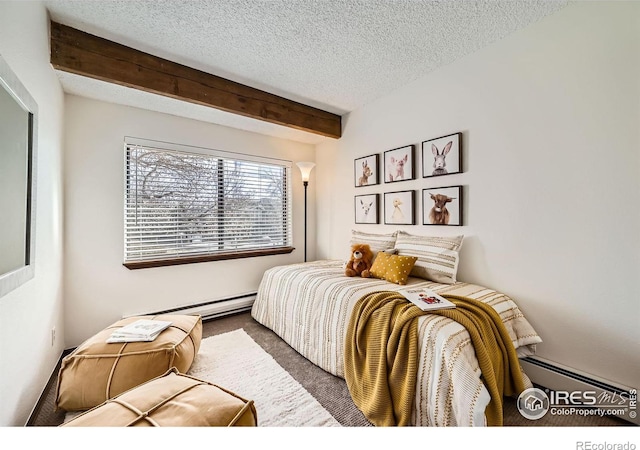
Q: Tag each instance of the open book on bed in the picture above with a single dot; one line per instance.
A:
(426, 299)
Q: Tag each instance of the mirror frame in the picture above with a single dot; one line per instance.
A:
(10, 82)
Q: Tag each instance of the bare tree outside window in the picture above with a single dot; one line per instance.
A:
(182, 204)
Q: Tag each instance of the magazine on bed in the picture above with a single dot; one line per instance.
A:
(426, 299)
(143, 330)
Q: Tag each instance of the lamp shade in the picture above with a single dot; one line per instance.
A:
(305, 169)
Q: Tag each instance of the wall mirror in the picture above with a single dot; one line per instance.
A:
(18, 136)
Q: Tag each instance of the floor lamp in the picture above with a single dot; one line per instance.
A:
(305, 169)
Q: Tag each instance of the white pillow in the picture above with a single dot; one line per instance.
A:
(377, 242)
(438, 256)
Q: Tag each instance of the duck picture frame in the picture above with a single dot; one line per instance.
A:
(399, 208)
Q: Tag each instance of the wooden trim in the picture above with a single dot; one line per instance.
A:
(84, 54)
(132, 265)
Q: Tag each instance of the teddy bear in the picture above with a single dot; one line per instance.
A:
(360, 262)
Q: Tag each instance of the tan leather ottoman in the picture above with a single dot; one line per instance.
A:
(172, 400)
(97, 371)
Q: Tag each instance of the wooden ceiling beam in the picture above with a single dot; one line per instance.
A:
(84, 54)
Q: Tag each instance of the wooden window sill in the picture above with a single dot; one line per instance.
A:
(132, 265)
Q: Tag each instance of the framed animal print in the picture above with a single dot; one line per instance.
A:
(398, 164)
(399, 208)
(442, 206)
(442, 156)
(366, 208)
(366, 170)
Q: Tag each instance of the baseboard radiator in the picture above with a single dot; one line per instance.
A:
(211, 309)
(552, 376)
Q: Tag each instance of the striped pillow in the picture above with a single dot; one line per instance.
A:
(377, 242)
(438, 256)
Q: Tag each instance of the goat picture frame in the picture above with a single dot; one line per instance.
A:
(442, 206)
(442, 156)
(399, 208)
(366, 209)
(398, 164)
(366, 170)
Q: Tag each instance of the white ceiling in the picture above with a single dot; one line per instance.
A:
(336, 55)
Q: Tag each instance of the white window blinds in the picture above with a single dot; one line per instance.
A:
(183, 204)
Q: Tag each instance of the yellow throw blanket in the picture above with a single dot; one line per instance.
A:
(381, 355)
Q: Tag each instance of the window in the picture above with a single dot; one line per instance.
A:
(185, 204)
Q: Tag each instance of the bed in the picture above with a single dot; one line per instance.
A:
(309, 305)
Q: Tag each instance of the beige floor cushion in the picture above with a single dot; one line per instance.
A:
(97, 371)
(171, 400)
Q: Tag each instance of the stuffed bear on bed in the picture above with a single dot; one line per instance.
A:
(360, 262)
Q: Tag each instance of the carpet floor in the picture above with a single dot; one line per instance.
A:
(330, 391)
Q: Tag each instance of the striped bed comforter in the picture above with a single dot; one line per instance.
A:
(309, 305)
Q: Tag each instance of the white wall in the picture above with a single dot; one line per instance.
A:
(550, 119)
(28, 313)
(99, 290)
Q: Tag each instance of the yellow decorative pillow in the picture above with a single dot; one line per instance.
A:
(392, 268)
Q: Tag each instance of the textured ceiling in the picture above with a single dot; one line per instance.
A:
(336, 55)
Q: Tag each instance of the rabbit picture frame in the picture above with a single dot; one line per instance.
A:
(442, 155)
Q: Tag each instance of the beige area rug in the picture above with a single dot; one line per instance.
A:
(234, 361)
